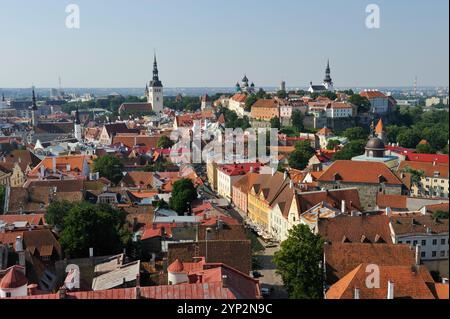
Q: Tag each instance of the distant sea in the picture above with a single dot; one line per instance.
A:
(20, 93)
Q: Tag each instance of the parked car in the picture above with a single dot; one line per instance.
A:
(257, 274)
(271, 245)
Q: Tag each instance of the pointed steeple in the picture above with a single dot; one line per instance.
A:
(328, 73)
(155, 81)
(34, 105)
(77, 117)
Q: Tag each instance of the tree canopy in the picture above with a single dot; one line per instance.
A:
(297, 120)
(350, 150)
(355, 133)
(85, 226)
(362, 103)
(275, 123)
(332, 144)
(109, 167)
(183, 193)
(299, 263)
(251, 99)
(299, 159)
(164, 142)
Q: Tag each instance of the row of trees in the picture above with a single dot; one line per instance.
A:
(411, 125)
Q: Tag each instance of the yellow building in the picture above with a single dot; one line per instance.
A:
(263, 196)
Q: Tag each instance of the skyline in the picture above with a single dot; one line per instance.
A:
(222, 42)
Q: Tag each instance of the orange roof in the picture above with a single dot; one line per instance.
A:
(428, 168)
(408, 283)
(239, 97)
(373, 94)
(359, 172)
(442, 291)
(144, 194)
(325, 132)
(380, 127)
(14, 278)
(76, 162)
(392, 201)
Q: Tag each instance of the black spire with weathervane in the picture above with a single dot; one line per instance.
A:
(328, 73)
(155, 82)
(77, 117)
(34, 105)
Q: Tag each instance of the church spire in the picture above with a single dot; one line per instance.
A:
(34, 105)
(77, 117)
(155, 81)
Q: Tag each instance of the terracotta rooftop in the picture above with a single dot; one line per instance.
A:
(14, 278)
(409, 283)
(418, 224)
(341, 258)
(359, 172)
(428, 168)
(361, 229)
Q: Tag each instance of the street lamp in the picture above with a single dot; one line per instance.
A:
(207, 231)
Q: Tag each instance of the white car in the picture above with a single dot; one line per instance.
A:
(265, 292)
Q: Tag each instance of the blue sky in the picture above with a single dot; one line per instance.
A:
(214, 42)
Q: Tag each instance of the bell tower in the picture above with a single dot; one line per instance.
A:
(155, 91)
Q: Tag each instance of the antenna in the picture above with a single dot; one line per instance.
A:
(415, 86)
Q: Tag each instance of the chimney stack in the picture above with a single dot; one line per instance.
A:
(54, 165)
(418, 255)
(391, 287)
(343, 206)
(357, 293)
(91, 252)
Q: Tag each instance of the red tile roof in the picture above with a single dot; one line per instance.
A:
(241, 98)
(341, 258)
(392, 201)
(428, 168)
(239, 169)
(408, 284)
(359, 172)
(428, 158)
(14, 278)
(373, 94)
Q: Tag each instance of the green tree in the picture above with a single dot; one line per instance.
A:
(251, 99)
(332, 144)
(350, 150)
(299, 159)
(56, 212)
(425, 149)
(183, 193)
(355, 133)
(275, 123)
(297, 120)
(299, 263)
(416, 175)
(331, 95)
(408, 138)
(109, 167)
(362, 103)
(282, 94)
(98, 226)
(261, 94)
(164, 142)
(441, 214)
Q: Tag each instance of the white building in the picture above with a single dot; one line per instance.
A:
(424, 231)
(327, 85)
(13, 283)
(339, 110)
(379, 102)
(155, 91)
(237, 104)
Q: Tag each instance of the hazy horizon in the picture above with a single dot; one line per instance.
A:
(205, 44)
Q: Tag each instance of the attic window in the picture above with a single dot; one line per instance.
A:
(382, 179)
(364, 239)
(337, 177)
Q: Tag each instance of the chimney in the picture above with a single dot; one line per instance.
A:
(274, 170)
(42, 173)
(19, 244)
(390, 292)
(285, 175)
(388, 211)
(418, 254)
(68, 167)
(343, 206)
(357, 294)
(54, 164)
(291, 184)
(91, 252)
